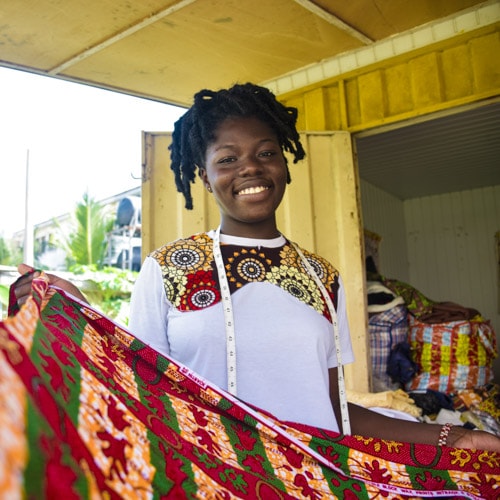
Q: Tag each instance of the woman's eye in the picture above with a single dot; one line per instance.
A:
(267, 153)
(228, 159)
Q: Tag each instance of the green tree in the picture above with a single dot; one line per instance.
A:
(107, 288)
(86, 245)
(4, 252)
(10, 253)
(4, 300)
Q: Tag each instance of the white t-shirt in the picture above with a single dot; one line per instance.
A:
(282, 359)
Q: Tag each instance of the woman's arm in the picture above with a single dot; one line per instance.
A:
(365, 422)
(149, 307)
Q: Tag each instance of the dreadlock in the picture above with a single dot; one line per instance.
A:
(195, 130)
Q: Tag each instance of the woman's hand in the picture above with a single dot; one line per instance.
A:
(460, 437)
(22, 288)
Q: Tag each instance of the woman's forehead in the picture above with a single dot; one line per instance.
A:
(234, 126)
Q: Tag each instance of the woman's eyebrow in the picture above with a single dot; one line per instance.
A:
(234, 146)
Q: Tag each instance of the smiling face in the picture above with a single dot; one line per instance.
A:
(246, 171)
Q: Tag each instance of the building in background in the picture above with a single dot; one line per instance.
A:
(124, 240)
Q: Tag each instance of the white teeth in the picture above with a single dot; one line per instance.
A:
(253, 190)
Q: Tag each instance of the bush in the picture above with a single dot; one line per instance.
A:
(108, 289)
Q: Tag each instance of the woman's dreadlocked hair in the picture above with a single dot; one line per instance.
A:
(195, 130)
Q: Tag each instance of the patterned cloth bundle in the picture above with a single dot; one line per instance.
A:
(452, 356)
(89, 411)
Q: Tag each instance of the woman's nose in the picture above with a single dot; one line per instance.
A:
(250, 166)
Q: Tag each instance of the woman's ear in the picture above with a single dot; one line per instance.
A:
(204, 178)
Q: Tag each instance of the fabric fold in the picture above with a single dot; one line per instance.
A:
(89, 411)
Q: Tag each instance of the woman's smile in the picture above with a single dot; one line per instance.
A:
(252, 190)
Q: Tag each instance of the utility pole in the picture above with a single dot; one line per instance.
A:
(28, 256)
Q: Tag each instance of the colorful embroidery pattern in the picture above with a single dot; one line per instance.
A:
(191, 281)
(88, 411)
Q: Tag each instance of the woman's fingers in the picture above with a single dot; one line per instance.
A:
(24, 268)
(22, 288)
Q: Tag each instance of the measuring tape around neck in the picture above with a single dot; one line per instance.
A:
(228, 316)
(230, 329)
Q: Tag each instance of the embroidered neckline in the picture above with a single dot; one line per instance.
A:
(227, 239)
(191, 282)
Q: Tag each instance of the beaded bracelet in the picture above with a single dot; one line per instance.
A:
(443, 435)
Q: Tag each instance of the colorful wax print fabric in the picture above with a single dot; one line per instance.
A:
(88, 411)
(452, 356)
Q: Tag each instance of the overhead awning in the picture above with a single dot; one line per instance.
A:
(167, 50)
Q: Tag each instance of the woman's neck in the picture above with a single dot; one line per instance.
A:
(254, 231)
(250, 242)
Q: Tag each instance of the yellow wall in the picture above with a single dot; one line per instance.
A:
(438, 77)
(321, 209)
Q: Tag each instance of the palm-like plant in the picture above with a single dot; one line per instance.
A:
(86, 245)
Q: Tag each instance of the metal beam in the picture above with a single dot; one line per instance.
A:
(120, 36)
(334, 20)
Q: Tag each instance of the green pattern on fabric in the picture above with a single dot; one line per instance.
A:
(251, 451)
(438, 479)
(416, 302)
(37, 430)
(147, 427)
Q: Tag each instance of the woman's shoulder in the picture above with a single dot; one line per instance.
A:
(319, 259)
(196, 240)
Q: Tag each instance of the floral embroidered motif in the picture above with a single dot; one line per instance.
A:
(201, 291)
(298, 284)
(185, 256)
(245, 266)
(191, 281)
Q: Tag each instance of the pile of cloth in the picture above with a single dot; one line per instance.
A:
(398, 401)
(439, 353)
(477, 408)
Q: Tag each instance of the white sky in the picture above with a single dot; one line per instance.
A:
(79, 138)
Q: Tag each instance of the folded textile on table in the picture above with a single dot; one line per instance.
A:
(89, 411)
(395, 400)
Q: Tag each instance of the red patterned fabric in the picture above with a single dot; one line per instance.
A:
(88, 411)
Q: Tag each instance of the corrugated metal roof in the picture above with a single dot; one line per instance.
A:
(442, 154)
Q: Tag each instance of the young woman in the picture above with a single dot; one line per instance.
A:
(241, 305)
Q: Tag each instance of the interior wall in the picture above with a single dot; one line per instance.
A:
(451, 250)
(383, 214)
(443, 245)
